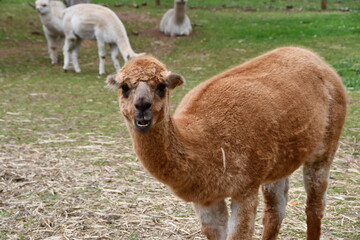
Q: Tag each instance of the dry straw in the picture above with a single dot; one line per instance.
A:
(58, 189)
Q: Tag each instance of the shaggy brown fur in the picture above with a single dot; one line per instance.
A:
(248, 127)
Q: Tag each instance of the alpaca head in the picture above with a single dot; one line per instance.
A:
(180, 3)
(43, 6)
(144, 84)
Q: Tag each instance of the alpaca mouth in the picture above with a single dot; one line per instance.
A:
(142, 125)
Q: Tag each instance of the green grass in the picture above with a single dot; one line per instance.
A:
(69, 124)
(3, 234)
(246, 4)
(4, 213)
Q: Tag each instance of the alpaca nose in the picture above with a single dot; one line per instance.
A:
(142, 105)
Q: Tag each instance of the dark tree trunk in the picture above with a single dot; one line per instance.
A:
(157, 2)
(323, 4)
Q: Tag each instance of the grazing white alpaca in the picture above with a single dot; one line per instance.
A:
(73, 2)
(175, 22)
(244, 129)
(51, 18)
(91, 21)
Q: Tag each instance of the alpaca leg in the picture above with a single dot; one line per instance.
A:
(316, 175)
(243, 214)
(75, 54)
(114, 56)
(275, 198)
(53, 50)
(316, 170)
(102, 56)
(71, 44)
(51, 41)
(66, 53)
(61, 42)
(213, 220)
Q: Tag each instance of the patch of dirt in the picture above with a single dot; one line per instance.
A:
(12, 48)
(135, 16)
(160, 44)
(88, 43)
(152, 32)
(81, 191)
(78, 192)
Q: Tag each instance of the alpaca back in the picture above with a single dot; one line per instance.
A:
(273, 107)
(90, 21)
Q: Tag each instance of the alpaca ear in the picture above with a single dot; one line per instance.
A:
(32, 5)
(173, 80)
(111, 81)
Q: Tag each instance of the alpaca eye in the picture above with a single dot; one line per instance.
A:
(161, 89)
(44, 5)
(125, 90)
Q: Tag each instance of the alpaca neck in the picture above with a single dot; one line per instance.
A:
(47, 18)
(161, 151)
(179, 12)
(123, 43)
(52, 23)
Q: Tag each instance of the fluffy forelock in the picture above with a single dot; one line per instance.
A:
(144, 68)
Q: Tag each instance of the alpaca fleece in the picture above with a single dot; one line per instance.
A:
(244, 129)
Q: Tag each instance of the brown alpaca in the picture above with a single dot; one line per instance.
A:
(248, 127)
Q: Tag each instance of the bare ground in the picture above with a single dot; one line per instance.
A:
(57, 188)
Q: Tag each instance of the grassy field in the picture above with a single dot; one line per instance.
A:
(67, 169)
(312, 5)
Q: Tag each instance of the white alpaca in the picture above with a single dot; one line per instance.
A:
(175, 21)
(91, 21)
(51, 19)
